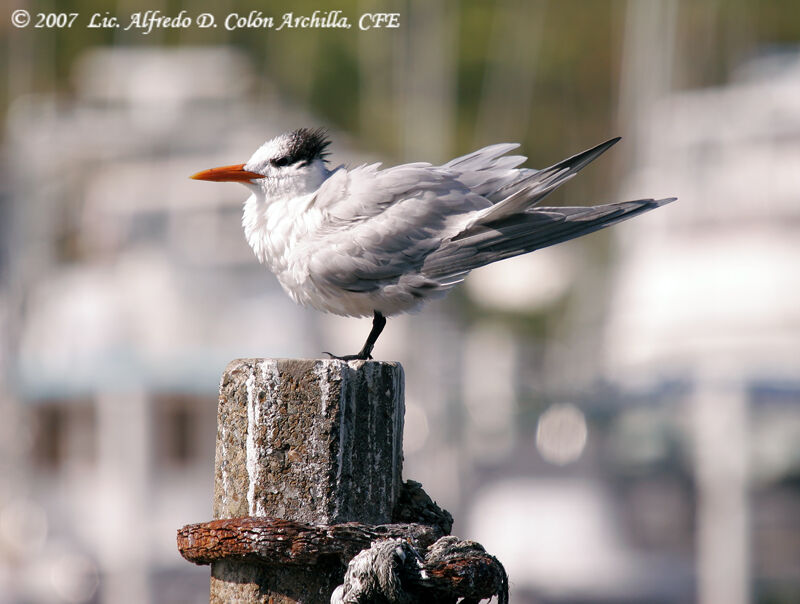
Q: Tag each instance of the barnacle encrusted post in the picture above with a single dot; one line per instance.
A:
(313, 441)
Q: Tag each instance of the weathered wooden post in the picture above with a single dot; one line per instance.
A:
(308, 478)
(314, 441)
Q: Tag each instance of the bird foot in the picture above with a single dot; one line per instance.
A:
(350, 357)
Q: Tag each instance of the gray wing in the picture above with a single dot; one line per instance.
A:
(380, 225)
(489, 241)
(428, 226)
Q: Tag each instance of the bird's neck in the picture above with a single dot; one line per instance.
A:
(273, 216)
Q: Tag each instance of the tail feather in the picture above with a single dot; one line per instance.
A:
(524, 232)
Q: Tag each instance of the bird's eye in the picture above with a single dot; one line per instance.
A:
(281, 162)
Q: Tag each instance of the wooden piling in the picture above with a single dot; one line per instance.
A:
(312, 441)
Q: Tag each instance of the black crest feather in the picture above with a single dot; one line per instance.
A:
(307, 144)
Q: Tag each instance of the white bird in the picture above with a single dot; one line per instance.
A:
(364, 241)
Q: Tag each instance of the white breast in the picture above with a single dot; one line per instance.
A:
(277, 232)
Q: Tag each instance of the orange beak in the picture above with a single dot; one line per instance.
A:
(235, 173)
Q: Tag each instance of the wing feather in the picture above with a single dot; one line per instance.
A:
(521, 233)
(379, 225)
(534, 187)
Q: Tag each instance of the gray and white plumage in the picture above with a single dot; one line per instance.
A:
(365, 240)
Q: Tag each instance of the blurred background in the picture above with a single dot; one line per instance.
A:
(616, 418)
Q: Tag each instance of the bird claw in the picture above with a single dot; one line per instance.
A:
(349, 357)
(365, 354)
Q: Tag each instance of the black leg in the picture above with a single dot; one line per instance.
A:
(378, 323)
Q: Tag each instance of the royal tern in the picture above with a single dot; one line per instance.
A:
(364, 241)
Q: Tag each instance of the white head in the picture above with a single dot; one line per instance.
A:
(289, 165)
